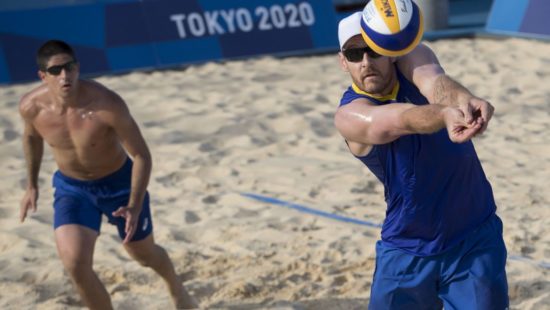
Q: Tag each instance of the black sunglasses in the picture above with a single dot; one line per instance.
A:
(56, 70)
(356, 54)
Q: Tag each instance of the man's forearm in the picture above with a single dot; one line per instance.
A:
(141, 172)
(34, 149)
(449, 92)
(424, 119)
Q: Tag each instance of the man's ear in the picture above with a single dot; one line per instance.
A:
(41, 74)
(343, 62)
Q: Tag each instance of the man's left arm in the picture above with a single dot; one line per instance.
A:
(422, 67)
(131, 139)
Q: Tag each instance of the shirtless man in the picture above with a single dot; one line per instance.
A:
(104, 168)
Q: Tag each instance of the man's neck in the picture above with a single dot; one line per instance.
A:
(389, 93)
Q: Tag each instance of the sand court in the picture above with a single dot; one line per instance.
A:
(265, 126)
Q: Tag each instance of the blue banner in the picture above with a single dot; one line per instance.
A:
(520, 17)
(120, 35)
(536, 18)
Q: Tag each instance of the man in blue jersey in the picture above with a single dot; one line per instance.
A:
(411, 125)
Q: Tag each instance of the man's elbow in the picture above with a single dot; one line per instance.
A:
(144, 157)
(377, 137)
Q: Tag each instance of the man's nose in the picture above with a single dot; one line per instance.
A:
(63, 73)
(366, 59)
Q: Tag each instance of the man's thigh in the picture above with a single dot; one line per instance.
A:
(477, 280)
(74, 208)
(75, 245)
(403, 281)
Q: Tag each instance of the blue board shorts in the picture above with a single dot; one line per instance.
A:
(83, 202)
(469, 276)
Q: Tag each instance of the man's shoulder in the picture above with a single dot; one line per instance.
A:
(35, 93)
(29, 105)
(108, 104)
(100, 94)
(351, 95)
(348, 93)
(96, 89)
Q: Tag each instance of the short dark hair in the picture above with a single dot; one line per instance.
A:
(52, 48)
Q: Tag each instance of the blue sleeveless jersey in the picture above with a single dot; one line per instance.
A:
(436, 191)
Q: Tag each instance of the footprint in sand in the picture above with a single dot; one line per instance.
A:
(10, 135)
(182, 236)
(322, 128)
(210, 199)
(524, 290)
(191, 217)
(270, 77)
(9, 241)
(170, 179)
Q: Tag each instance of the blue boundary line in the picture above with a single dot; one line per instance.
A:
(305, 209)
(301, 208)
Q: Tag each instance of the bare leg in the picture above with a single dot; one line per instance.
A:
(75, 246)
(149, 254)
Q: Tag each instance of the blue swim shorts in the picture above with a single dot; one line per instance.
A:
(469, 276)
(83, 202)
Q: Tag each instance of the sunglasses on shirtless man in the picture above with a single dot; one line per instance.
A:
(56, 70)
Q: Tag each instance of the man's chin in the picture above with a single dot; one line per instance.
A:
(66, 91)
(372, 88)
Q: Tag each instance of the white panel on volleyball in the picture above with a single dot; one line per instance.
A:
(405, 12)
(372, 18)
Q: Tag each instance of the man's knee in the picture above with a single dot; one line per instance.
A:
(77, 268)
(75, 247)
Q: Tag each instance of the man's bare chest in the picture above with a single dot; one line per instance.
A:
(71, 130)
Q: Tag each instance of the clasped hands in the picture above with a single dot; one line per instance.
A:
(467, 119)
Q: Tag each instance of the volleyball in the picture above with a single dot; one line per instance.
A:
(392, 27)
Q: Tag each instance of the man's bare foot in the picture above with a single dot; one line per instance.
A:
(182, 300)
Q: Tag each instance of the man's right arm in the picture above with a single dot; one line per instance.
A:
(364, 123)
(33, 147)
(422, 67)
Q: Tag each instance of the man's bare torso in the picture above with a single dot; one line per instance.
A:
(82, 140)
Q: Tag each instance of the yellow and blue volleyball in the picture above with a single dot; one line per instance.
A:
(392, 27)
